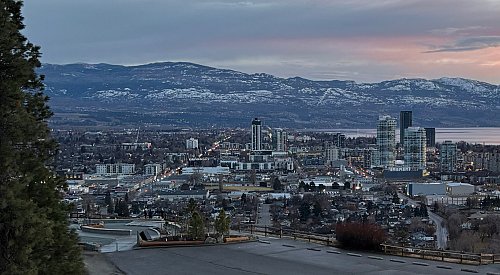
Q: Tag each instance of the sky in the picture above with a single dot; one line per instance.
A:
(361, 40)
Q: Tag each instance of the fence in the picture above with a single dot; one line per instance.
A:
(412, 252)
(442, 255)
(328, 240)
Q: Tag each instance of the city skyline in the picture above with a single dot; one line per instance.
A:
(355, 40)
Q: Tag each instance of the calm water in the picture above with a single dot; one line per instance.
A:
(486, 135)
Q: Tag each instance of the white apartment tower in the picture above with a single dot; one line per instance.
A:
(256, 135)
(331, 152)
(192, 143)
(386, 141)
(414, 148)
(280, 138)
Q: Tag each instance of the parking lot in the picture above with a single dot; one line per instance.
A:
(278, 256)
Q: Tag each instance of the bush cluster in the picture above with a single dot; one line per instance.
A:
(366, 236)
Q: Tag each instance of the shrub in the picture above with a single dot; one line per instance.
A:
(360, 235)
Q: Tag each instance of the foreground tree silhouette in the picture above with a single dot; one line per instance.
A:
(34, 235)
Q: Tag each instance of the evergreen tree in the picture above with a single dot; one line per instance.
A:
(196, 226)
(317, 209)
(222, 223)
(122, 208)
(111, 208)
(34, 234)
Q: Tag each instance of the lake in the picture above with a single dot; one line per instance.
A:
(486, 135)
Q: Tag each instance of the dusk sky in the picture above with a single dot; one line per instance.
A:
(361, 40)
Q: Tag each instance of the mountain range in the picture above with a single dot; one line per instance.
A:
(180, 94)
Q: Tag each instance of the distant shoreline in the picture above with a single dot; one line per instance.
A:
(486, 135)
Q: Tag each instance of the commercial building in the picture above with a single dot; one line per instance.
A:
(459, 189)
(386, 142)
(192, 143)
(153, 169)
(424, 189)
(132, 146)
(445, 199)
(115, 169)
(405, 121)
(448, 156)
(183, 194)
(210, 171)
(415, 148)
(256, 134)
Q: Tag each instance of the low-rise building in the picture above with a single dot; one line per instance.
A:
(459, 189)
(115, 169)
(427, 188)
(183, 194)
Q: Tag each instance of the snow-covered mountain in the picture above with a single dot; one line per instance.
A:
(186, 94)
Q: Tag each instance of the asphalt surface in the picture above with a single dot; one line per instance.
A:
(278, 256)
(441, 231)
(264, 216)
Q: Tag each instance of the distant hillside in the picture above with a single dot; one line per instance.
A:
(192, 95)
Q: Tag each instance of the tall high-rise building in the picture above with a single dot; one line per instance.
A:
(331, 152)
(339, 140)
(415, 147)
(405, 121)
(192, 143)
(386, 141)
(448, 156)
(256, 134)
(280, 138)
(430, 136)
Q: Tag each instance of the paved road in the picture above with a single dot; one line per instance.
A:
(264, 217)
(276, 256)
(441, 231)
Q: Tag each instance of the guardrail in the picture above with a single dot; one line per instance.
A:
(441, 255)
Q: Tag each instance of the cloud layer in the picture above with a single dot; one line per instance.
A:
(358, 39)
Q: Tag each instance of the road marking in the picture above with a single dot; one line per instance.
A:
(375, 258)
(397, 261)
(333, 251)
(469, 270)
(354, 255)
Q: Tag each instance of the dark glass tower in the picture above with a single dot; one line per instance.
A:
(256, 134)
(405, 121)
(430, 137)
